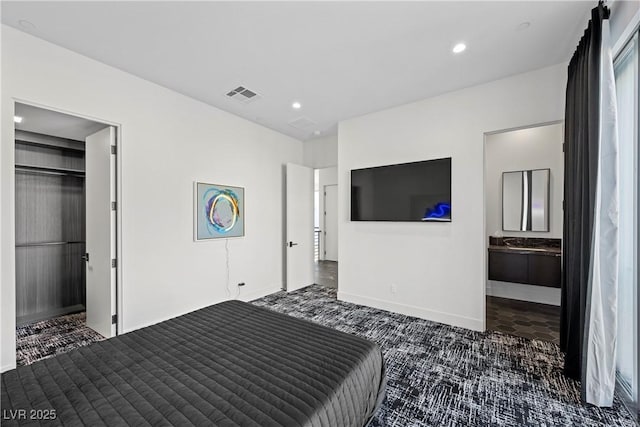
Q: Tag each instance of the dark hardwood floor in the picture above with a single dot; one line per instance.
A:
(326, 273)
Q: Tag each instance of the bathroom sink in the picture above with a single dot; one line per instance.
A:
(519, 248)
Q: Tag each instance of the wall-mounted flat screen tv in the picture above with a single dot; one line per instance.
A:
(418, 191)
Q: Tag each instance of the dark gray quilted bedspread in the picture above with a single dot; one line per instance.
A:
(228, 364)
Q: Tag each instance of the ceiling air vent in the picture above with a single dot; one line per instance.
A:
(243, 95)
(302, 123)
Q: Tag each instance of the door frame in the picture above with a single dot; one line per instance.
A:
(118, 190)
(484, 241)
(324, 217)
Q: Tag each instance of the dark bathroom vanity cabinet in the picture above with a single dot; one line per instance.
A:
(530, 261)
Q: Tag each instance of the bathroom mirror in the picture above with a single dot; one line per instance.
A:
(525, 200)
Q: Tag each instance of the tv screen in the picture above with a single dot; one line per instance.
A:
(419, 191)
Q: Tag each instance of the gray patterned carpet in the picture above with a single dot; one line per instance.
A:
(440, 375)
(47, 338)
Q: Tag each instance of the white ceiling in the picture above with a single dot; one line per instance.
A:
(53, 123)
(339, 59)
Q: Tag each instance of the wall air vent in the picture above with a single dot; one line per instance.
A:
(302, 123)
(244, 95)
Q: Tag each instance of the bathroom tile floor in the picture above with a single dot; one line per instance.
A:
(524, 319)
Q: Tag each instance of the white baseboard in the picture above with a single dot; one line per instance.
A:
(8, 367)
(259, 293)
(521, 292)
(410, 310)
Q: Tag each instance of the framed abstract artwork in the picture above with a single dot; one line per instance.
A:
(219, 211)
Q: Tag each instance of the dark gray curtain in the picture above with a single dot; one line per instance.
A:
(582, 116)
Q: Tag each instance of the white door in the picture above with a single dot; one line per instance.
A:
(331, 222)
(100, 167)
(299, 226)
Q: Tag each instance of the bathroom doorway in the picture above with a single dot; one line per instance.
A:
(523, 196)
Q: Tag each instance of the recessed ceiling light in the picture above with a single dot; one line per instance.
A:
(26, 25)
(523, 26)
(316, 132)
(460, 47)
(17, 119)
(296, 105)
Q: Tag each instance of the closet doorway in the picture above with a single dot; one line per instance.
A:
(65, 216)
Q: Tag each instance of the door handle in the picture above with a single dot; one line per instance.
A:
(85, 257)
(291, 244)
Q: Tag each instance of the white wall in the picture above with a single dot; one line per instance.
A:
(532, 148)
(168, 141)
(439, 269)
(321, 152)
(327, 176)
(519, 291)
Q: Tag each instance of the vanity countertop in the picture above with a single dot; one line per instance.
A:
(526, 245)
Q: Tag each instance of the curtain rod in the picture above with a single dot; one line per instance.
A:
(602, 5)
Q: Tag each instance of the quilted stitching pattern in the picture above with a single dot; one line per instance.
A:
(226, 365)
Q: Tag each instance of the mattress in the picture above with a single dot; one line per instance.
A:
(230, 364)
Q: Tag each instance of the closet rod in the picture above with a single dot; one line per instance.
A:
(49, 171)
(26, 245)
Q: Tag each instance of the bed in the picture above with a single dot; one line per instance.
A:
(227, 364)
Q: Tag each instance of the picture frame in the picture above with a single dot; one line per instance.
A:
(218, 211)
